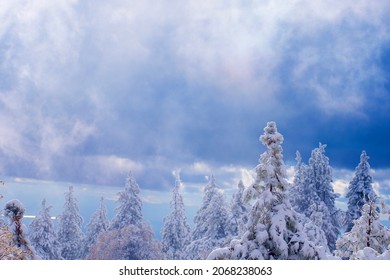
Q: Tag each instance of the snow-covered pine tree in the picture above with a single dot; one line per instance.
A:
(99, 223)
(367, 232)
(69, 232)
(313, 226)
(201, 225)
(218, 219)
(43, 236)
(212, 227)
(175, 233)
(239, 211)
(129, 211)
(320, 182)
(132, 242)
(129, 237)
(359, 191)
(14, 210)
(305, 201)
(8, 248)
(273, 229)
(300, 194)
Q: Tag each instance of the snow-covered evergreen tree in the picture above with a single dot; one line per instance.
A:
(313, 226)
(175, 233)
(273, 229)
(370, 254)
(8, 248)
(212, 227)
(304, 199)
(99, 223)
(201, 225)
(300, 194)
(14, 210)
(312, 192)
(359, 191)
(132, 242)
(367, 231)
(320, 182)
(218, 218)
(43, 236)
(129, 211)
(69, 232)
(129, 237)
(239, 211)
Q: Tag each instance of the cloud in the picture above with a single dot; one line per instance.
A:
(200, 168)
(340, 186)
(151, 86)
(109, 169)
(381, 182)
(333, 53)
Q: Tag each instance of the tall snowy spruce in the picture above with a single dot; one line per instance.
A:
(239, 211)
(14, 211)
(321, 193)
(175, 233)
(129, 211)
(366, 235)
(43, 236)
(99, 223)
(359, 191)
(304, 199)
(301, 195)
(200, 219)
(212, 227)
(69, 231)
(273, 229)
(129, 237)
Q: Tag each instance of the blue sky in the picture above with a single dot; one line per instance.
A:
(92, 89)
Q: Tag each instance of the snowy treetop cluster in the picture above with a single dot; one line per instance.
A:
(269, 219)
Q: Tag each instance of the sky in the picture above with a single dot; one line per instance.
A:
(92, 89)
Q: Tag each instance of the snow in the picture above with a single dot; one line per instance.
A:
(312, 195)
(367, 231)
(43, 236)
(269, 219)
(273, 228)
(211, 223)
(99, 223)
(359, 191)
(69, 232)
(175, 232)
(129, 236)
(129, 210)
(14, 210)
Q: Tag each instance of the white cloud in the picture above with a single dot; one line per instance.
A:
(104, 169)
(58, 141)
(155, 197)
(340, 186)
(200, 168)
(290, 172)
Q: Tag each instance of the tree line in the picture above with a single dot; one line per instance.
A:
(269, 219)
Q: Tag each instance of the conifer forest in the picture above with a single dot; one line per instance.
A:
(271, 219)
